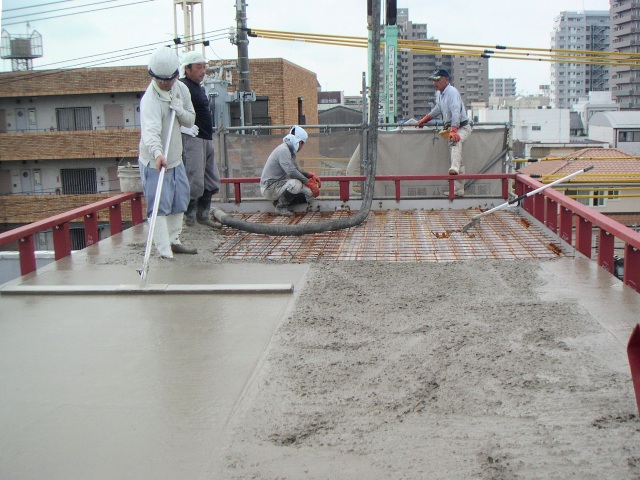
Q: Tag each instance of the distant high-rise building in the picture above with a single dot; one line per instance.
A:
(502, 87)
(589, 31)
(625, 38)
(416, 95)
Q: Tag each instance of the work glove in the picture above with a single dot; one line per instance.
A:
(313, 186)
(177, 106)
(424, 120)
(454, 136)
(315, 178)
(193, 131)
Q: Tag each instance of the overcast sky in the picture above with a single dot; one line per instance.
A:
(515, 23)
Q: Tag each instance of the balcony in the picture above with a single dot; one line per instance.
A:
(68, 145)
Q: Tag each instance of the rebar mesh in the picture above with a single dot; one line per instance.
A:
(396, 236)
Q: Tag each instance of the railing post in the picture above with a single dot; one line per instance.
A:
(237, 192)
(605, 251)
(398, 196)
(136, 210)
(538, 207)
(61, 240)
(551, 216)
(344, 190)
(27, 250)
(115, 219)
(584, 232)
(632, 267)
(566, 225)
(505, 188)
(527, 204)
(91, 228)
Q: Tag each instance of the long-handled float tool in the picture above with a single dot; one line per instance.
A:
(475, 220)
(156, 205)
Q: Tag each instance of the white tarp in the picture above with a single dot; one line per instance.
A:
(412, 151)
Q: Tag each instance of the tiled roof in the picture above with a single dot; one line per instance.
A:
(610, 165)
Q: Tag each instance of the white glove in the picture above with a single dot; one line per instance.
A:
(193, 131)
(177, 106)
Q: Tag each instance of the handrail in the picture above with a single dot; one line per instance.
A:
(345, 181)
(61, 232)
(544, 207)
(553, 209)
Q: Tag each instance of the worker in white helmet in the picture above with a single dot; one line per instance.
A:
(164, 95)
(197, 144)
(282, 181)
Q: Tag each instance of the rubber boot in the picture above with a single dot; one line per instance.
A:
(174, 227)
(190, 214)
(283, 203)
(161, 237)
(459, 185)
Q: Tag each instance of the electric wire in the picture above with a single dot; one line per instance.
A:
(60, 10)
(36, 6)
(76, 13)
(133, 52)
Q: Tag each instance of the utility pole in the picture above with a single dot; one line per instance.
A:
(242, 42)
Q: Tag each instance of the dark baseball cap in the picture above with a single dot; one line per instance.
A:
(440, 72)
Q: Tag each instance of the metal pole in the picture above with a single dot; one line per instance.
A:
(243, 61)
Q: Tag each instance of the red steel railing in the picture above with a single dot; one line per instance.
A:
(557, 212)
(60, 227)
(550, 207)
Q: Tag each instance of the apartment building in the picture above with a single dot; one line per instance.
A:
(588, 31)
(502, 87)
(625, 38)
(415, 91)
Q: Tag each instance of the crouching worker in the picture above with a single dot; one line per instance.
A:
(282, 181)
(164, 95)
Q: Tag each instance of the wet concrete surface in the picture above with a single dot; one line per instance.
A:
(133, 387)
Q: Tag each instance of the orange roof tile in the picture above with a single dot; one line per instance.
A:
(610, 165)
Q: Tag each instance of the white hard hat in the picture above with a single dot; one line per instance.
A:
(164, 64)
(299, 133)
(192, 57)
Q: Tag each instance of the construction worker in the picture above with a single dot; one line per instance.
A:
(449, 106)
(164, 95)
(197, 144)
(282, 181)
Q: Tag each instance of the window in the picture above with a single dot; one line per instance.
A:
(78, 181)
(581, 196)
(75, 118)
(628, 136)
(536, 128)
(598, 199)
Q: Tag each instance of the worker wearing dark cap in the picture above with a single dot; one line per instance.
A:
(449, 106)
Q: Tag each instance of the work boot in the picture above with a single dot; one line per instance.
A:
(161, 237)
(190, 214)
(284, 211)
(453, 170)
(179, 248)
(174, 225)
(283, 203)
(209, 223)
(459, 184)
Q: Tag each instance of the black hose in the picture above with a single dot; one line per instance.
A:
(370, 164)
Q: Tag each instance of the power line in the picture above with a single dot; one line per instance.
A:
(36, 6)
(61, 9)
(114, 56)
(78, 13)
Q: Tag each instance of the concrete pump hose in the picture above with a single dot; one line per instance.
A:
(372, 142)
